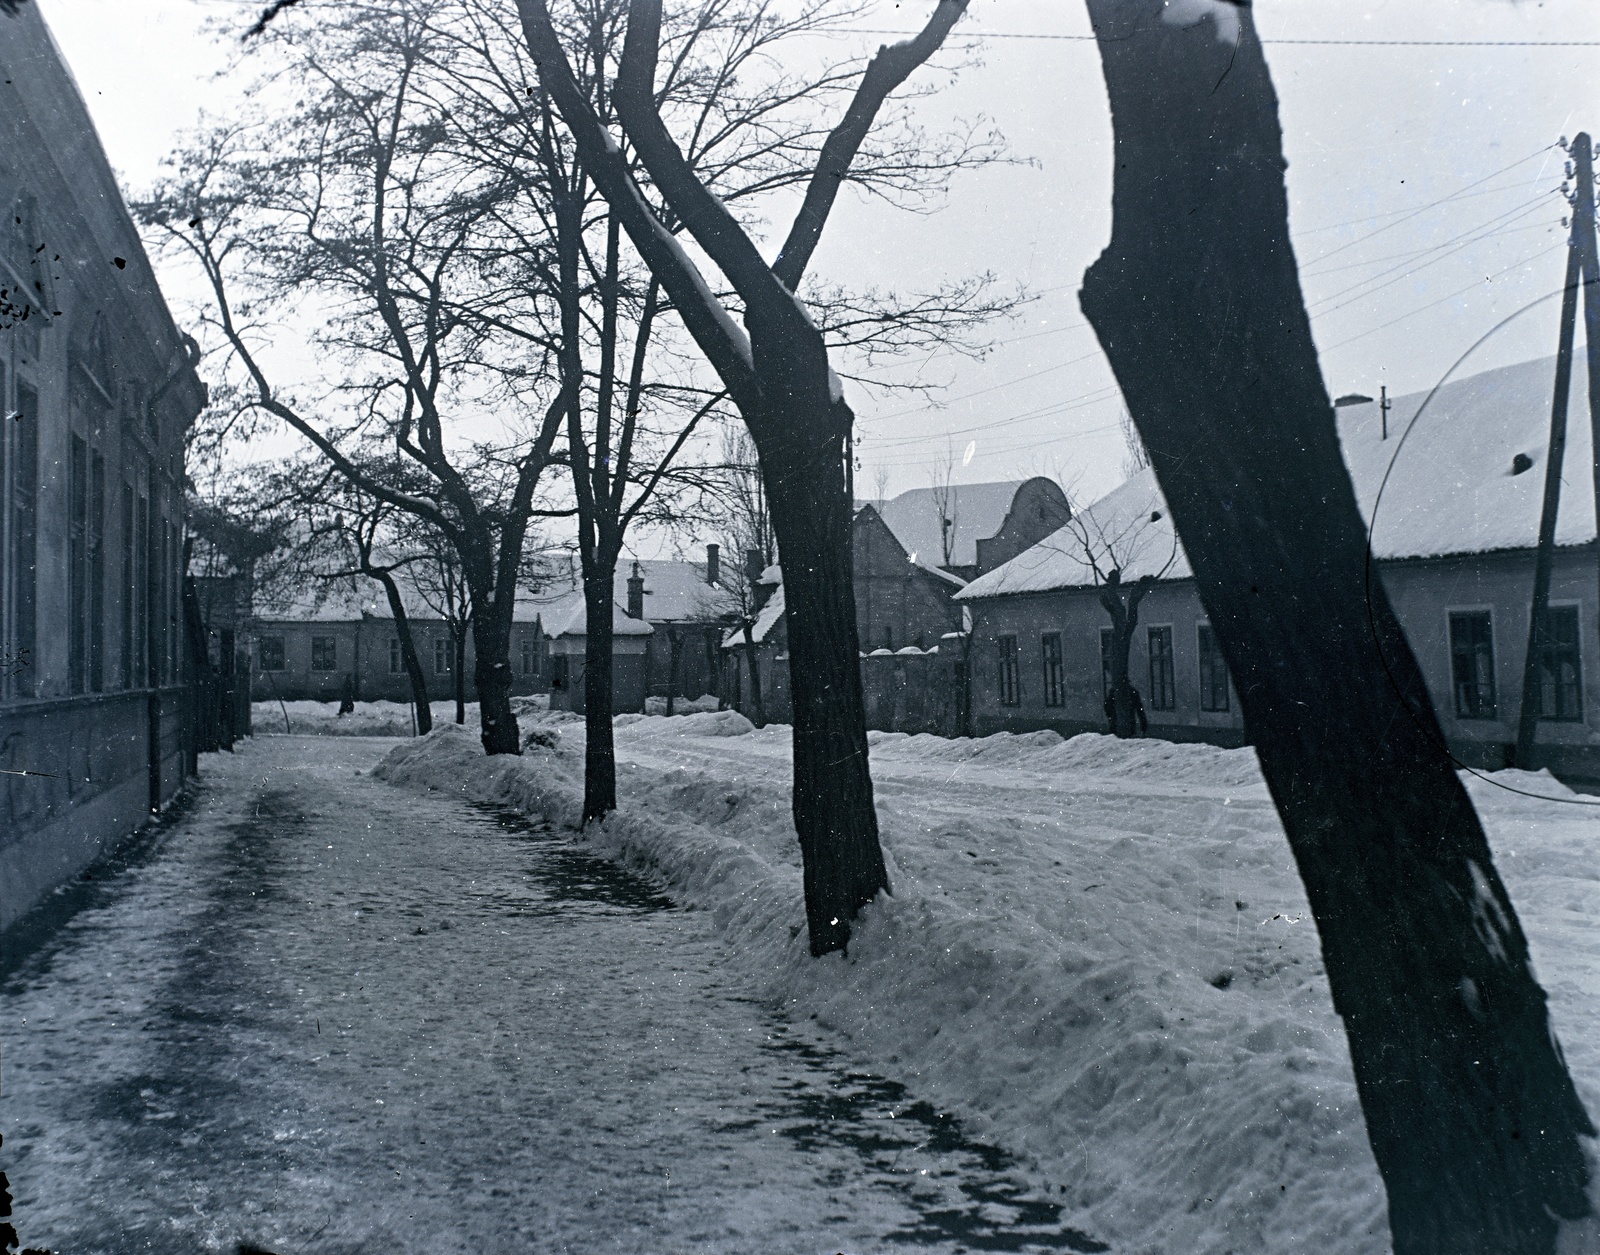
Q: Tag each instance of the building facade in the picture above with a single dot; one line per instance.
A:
(98, 388)
(343, 642)
(1454, 518)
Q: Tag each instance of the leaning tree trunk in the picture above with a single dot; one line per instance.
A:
(802, 466)
(599, 685)
(408, 652)
(1472, 1116)
(491, 673)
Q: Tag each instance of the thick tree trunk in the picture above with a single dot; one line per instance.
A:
(599, 684)
(491, 640)
(1472, 1116)
(803, 470)
(408, 653)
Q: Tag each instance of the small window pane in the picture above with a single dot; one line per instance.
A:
(1560, 690)
(1163, 691)
(324, 653)
(1472, 665)
(272, 653)
(1009, 695)
(1050, 644)
(1213, 672)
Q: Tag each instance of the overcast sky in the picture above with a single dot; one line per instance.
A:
(1422, 183)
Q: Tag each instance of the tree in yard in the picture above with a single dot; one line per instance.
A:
(440, 580)
(1473, 1118)
(1112, 547)
(777, 373)
(347, 205)
(748, 537)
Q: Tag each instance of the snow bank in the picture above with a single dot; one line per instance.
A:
(371, 718)
(1098, 954)
(680, 705)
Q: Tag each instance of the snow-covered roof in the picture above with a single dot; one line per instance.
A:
(978, 511)
(676, 591)
(361, 597)
(765, 621)
(1451, 489)
(567, 616)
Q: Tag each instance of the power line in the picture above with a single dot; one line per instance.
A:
(1322, 43)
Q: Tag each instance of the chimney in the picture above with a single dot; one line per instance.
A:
(713, 564)
(754, 564)
(636, 594)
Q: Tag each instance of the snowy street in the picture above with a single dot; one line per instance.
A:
(319, 1013)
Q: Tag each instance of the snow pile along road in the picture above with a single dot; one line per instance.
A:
(1098, 952)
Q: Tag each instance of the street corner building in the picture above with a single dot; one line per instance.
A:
(1453, 501)
(98, 389)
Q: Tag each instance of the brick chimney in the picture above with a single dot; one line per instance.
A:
(713, 563)
(636, 594)
(754, 564)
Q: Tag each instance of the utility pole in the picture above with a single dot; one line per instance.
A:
(1527, 725)
(1383, 408)
(1583, 236)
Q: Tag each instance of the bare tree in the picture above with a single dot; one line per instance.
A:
(944, 500)
(748, 536)
(441, 582)
(780, 378)
(350, 198)
(1472, 1115)
(1110, 547)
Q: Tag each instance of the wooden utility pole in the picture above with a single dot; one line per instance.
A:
(1528, 724)
(1383, 408)
(1583, 236)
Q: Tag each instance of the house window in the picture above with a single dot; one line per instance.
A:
(1560, 681)
(24, 535)
(1213, 672)
(1008, 671)
(272, 653)
(1472, 664)
(77, 563)
(1050, 644)
(441, 655)
(324, 653)
(397, 662)
(529, 655)
(1163, 691)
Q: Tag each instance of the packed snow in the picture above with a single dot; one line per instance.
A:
(309, 718)
(1098, 952)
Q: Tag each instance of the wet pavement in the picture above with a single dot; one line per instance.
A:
(316, 1013)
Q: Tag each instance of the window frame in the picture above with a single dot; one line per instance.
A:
(1577, 665)
(1484, 711)
(1167, 689)
(1202, 633)
(1054, 672)
(443, 656)
(1010, 683)
(397, 661)
(282, 647)
(324, 654)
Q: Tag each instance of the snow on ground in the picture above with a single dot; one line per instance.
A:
(368, 718)
(1098, 952)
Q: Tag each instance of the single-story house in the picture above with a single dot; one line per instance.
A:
(1453, 536)
(316, 643)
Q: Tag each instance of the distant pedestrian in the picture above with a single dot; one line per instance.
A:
(1139, 716)
(347, 696)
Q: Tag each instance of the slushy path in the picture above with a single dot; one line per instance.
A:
(322, 1014)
